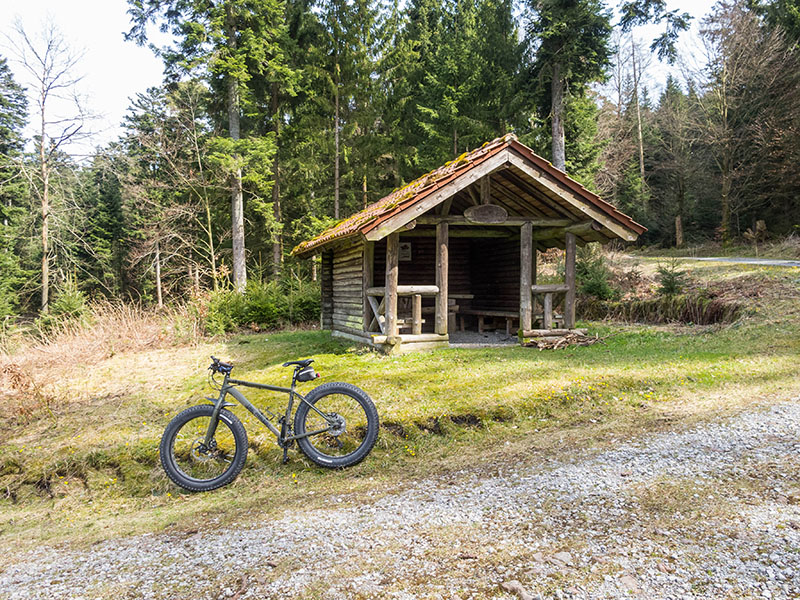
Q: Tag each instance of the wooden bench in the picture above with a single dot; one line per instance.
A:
(491, 314)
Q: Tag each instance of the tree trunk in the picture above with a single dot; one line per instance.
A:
(364, 189)
(725, 203)
(158, 276)
(45, 174)
(336, 150)
(314, 268)
(277, 244)
(214, 282)
(455, 142)
(636, 75)
(678, 231)
(557, 106)
(237, 201)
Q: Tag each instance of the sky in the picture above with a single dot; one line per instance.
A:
(114, 70)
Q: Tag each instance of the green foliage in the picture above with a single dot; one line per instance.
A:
(671, 279)
(69, 307)
(593, 275)
(262, 306)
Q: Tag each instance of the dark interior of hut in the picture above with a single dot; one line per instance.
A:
(483, 281)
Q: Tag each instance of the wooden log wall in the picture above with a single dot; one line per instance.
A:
(326, 283)
(347, 289)
(495, 274)
(422, 268)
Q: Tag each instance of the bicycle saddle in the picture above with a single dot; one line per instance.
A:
(302, 364)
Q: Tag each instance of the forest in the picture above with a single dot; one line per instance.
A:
(277, 118)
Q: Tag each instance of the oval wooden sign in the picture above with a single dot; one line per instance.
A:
(486, 213)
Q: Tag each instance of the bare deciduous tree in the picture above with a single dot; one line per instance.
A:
(50, 64)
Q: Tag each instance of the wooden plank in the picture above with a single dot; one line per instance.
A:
(326, 285)
(442, 279)
(416, 314)
(569, 279)
(498, 161)
(390, 288)
(488, 313)
(579, 203)
(525, 262)
(367, 275)
(549, 288)
(509, 222)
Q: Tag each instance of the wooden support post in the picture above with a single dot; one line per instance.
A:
(368, 274)
(416, 314)
(525, 264)
(547, 319)
(390, 292)
(442, 268)
(486, 190)
(569, 280)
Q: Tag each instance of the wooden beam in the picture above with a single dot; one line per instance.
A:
(473, 195)
(378, 317)
(390, 289)
(509, 222)
(406, 338)
(569, 280)
(549, 288)
(368, 274)
(585, 228)
(442, 269)
(406, 290)
(525, 264)
(579, 203)
(462, 233)
(444, 207)
(486, 190)
(498, 161)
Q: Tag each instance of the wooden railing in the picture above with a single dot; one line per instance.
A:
(548, 292)
(415, 291)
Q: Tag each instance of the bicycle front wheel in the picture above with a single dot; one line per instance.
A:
(342, 422)
(195, 465)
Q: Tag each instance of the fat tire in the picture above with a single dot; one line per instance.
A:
(168, 458)
(324, 460)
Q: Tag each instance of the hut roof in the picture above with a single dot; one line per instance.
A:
(400, 200)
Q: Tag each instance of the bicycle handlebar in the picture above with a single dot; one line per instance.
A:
(217, 366)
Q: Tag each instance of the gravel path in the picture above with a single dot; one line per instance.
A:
(711, 512)
(765, 262)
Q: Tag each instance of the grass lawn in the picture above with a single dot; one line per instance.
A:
(80, 462)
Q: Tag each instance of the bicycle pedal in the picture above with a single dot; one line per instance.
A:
(285, 455)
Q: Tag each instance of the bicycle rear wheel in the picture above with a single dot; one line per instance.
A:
(348, 425)
(195, 465)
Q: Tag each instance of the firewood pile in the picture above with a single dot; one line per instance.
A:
(556, 342)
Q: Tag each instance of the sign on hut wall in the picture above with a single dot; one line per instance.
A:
(405, 252)
(486, 213)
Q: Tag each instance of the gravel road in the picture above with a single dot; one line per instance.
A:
(709, 512)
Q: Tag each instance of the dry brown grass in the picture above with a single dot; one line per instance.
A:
(34, 361)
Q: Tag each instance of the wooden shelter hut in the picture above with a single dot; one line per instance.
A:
(457, 248)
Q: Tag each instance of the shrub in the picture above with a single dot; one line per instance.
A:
(593, 274)
(263, 305)
(671, 279)
(69, 307)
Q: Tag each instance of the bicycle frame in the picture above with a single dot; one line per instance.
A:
(228, 388)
